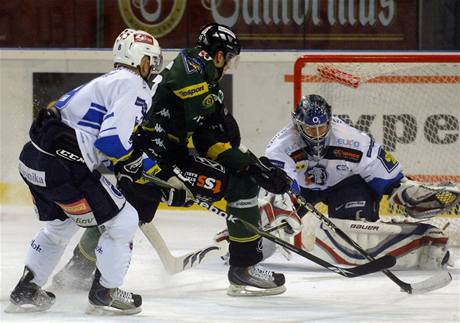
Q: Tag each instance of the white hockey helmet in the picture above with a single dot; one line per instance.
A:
(131, 45)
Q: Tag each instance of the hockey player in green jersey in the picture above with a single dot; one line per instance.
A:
(188, 104)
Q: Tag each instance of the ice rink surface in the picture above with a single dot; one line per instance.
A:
(198, 295)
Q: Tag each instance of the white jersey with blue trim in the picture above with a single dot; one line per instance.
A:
(349, 152)
(104, 113)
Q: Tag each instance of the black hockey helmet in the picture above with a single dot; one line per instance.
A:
(215, 37)
(312, 119)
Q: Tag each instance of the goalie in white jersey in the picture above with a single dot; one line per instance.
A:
(69, 192)
(336, 164)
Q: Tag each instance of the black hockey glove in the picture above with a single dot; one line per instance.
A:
(153, 143)
(269, 177)
(177, 197)
(225, 127)
(181, 191)
(130, 169)
(50, 134)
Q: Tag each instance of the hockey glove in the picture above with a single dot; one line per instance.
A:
(153, 143)
(130, 169)
(269, 177)
(225, 127)
(423, 201)
(180, 193)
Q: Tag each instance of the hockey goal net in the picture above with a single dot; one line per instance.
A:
(410, 103)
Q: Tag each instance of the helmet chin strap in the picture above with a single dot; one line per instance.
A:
(220, 73)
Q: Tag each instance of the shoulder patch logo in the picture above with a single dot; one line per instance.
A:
(387, 159)
(192, 64)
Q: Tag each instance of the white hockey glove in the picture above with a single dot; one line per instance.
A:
(423, 201)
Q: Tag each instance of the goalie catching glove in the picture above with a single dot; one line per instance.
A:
(423, 201)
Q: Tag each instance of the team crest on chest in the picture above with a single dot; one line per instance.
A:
(316, 175)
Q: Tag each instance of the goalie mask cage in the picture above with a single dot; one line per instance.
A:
(410, 103)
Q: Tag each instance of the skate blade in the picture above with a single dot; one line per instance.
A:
(26, 308)
(249, 291)
(110, 311)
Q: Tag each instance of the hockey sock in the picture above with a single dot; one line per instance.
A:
(47, 248)
(245, 246)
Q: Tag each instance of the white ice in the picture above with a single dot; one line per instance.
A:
(198, 295)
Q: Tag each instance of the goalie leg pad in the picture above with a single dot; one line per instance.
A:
(415, 246)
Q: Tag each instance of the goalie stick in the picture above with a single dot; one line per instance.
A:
(433, 283)
(365, 269)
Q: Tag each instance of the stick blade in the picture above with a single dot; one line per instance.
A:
(378, 264)
(435, 282)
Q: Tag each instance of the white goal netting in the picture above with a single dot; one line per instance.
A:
(409, 103)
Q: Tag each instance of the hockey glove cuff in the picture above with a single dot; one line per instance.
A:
(130, 169)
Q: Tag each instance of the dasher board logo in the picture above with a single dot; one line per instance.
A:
(158, 18)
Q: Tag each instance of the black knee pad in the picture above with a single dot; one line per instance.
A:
(354, 202)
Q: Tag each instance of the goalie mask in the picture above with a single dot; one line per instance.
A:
(132, 45)
(312, 119)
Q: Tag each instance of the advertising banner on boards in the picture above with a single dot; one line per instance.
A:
(260, 24)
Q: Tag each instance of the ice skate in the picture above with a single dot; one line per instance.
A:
(112, 301)
(28, 296)
(76, 274)
(254, 281)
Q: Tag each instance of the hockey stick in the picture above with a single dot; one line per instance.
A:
(172, 264)
(368, 268)
(435, 282)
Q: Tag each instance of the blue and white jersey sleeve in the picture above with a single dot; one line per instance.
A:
(376, 166)
(104, 113)
(380, 169)
(127, 109)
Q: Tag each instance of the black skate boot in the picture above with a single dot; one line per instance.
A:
(76, 274)
(28, 296)
(112, 301)
(254, 281)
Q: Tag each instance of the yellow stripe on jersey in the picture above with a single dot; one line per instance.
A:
(192, 90)
(218, 148)
(248, 239)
